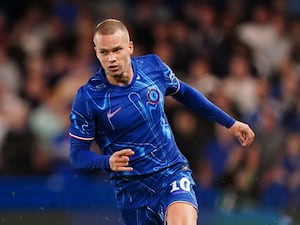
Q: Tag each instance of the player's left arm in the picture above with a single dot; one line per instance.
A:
(197, 102)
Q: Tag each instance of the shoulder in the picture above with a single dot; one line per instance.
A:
(151, 62)
(148, 57)
(96, 81)
(94, 84)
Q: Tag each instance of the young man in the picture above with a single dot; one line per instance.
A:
(121, 107)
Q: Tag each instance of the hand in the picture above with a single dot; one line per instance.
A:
(242, 132)
(119, 161)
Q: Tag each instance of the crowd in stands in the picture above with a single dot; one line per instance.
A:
(243, 55)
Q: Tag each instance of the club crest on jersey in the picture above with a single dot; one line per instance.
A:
(153, 96)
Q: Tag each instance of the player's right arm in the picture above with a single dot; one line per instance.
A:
(82, 131)
(82, 158)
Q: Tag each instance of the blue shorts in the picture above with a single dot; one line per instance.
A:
(177, 188)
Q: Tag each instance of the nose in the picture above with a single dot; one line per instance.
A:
(111, 57)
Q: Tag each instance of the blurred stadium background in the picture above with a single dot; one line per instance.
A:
(244, 55)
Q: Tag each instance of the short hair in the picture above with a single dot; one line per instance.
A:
(110, 26)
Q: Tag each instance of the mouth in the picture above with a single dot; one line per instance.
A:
(113, 68)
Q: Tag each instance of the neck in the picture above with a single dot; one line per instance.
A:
(121, 79)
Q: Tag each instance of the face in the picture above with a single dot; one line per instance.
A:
(114, 53)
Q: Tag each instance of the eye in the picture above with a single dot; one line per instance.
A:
(103, 52)
(116, 50)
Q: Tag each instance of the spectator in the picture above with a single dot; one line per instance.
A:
(201, 77)
(275, 194)
(240, 85)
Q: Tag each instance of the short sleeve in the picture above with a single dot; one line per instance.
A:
(82, 124)
(171, 82)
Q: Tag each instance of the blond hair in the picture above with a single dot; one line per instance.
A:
(110, 26)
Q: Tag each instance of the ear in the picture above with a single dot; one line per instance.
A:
(95, 48)
(131, 47)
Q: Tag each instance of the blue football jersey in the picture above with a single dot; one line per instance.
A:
(132, 116)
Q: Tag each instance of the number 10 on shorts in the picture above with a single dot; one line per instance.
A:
(183, 184)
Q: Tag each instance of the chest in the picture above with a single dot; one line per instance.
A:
(121, 110)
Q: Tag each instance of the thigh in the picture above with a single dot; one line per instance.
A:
(181, 213)
(179, 200)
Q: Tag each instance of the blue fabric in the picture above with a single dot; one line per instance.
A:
(128, 117)
(197, 102)
(82, 158)
(133, 116)
(179, 187)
